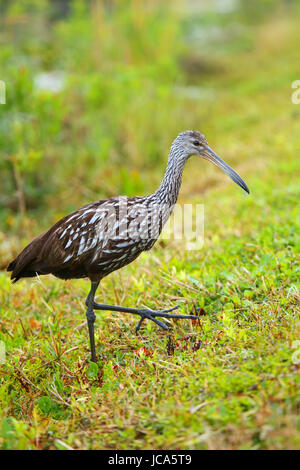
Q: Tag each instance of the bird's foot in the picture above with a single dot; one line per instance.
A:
(151, 314)
(146, 313)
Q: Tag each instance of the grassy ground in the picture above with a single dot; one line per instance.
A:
(230, 380)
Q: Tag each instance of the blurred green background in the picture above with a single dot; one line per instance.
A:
(97, 90)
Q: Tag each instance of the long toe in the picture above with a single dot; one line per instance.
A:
(138, 326)
(158, 322)
(166, 310)
(159, 313)
(150, 315)
(165, 314)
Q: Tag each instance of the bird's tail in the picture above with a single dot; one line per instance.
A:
(21, 266)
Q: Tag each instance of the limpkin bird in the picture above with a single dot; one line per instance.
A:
(104, 236)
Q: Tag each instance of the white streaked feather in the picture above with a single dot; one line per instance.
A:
(82, 246)
(68, 244)
(63, 234)
(94, 218)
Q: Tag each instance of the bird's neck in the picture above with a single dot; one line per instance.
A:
(167, 193)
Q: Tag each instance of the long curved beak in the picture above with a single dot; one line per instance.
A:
(210, 155)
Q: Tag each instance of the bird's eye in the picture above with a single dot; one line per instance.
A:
(196, 143)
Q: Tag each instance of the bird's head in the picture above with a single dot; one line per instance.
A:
(190, 143)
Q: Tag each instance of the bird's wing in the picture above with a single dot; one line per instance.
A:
(72, 240)
(103, 234)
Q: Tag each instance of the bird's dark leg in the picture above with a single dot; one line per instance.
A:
(144, 313)
(90, 315)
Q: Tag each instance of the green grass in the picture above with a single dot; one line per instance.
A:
(232, 379)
